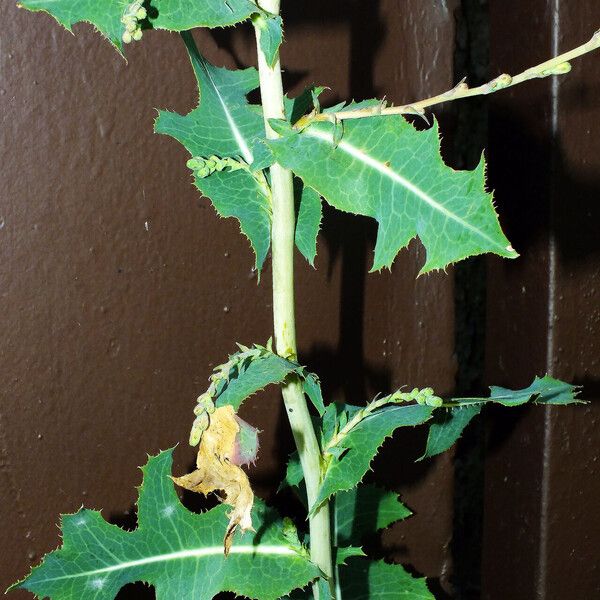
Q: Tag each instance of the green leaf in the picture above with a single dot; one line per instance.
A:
(295, 108)
(173, 15)
(294, 475)
(271, 35)
(105, 15)
(177, 551)
(309, 220)
(312, 388)
(225, 125)
(182, 15)
(307, 594)
(258, 374)
(364, 510)
(363, 579)
(252, 369)
(334, 412)
(324, 590)
(343, 553)
(545, 390)
(354, 451)
(448, 426)
(385, 169)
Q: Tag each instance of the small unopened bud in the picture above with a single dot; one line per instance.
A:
(561, 69)
(434, 401)
(503, 80)
(126, 37)
(199, 426)
(141, 14)
(137, 34)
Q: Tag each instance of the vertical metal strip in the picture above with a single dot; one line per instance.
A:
(547, 440)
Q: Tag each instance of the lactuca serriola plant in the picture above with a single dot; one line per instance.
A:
(271, 166)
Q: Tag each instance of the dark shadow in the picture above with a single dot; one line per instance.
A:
(471, 60)
(126, 520)
(136, 591)
(351, 237)
(345, 375)
(590, 388)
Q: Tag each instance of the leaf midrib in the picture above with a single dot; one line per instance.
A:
(199, 63)
(399, 179)
(267, 550)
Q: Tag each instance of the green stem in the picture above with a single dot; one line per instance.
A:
(282, 234)
(559, 65)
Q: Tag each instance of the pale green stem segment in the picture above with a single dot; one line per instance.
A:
(283, 226)
(559, 65)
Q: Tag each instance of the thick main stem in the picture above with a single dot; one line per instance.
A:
(283, 226)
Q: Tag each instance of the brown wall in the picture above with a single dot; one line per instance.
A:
(121, 289)
(542, 525)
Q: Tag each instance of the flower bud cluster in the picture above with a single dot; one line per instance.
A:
(425, 396)
(203, 167)
(134, 13)
(205, 403)
(205, 407)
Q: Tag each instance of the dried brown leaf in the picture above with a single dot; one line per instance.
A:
(216, 472)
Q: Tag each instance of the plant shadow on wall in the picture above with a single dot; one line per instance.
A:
(349, 240)
(540, 176)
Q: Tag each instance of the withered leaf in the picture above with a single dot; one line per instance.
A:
(217, 470)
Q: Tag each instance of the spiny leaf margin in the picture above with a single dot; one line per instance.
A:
(172, 15)
(156, 552)
(226, 125)
(382, 167)
(350, 458)
(448, 425)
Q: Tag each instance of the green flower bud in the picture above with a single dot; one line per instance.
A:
(434, 401)
(194, 163)
(503, 80)
(560, 69)
(141, 14)
(126, 37)
(199, 426)
(202, 398)
(137, 34)
(207, 403)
